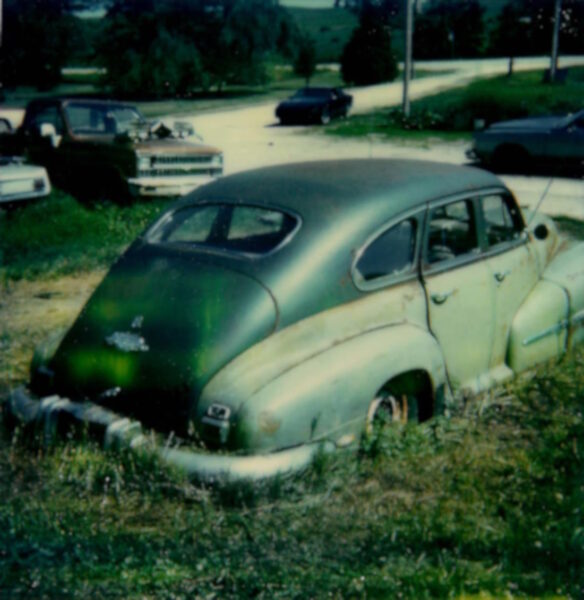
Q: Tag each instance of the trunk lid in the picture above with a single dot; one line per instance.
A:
(161, 324)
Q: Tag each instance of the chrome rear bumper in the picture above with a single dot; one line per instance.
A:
(54, 415)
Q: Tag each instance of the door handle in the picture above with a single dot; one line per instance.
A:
(500, 275)
(441, 298)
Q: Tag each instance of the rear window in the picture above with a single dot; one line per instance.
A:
(226, 227)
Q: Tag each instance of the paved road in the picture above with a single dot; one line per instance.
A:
(251, 137)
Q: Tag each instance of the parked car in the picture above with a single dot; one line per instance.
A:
(277, 310)
(314, 105)
(20, 182)
(523, 142)
(99, 144)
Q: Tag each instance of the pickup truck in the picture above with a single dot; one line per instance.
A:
(108, 146)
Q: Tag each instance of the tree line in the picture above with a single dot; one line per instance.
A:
(177, 47)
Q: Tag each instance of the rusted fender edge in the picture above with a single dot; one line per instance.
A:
(54, 415)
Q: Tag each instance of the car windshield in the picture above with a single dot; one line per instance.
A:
(312, 93)
(233, 228)
(102, 119)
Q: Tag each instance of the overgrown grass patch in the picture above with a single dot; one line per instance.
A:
(485, 504)
(59, 235)
(453, 112)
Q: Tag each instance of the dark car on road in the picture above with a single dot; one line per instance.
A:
(525, 142)
(314, 105)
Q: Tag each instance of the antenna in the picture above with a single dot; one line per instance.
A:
(545, 192)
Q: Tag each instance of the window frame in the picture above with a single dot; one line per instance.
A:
(201, 247)
(483, 250)
(419, 215)
(505, 246)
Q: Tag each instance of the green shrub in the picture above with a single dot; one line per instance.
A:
(368, 56)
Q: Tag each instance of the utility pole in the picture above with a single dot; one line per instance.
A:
(555, 40)
(408, 57)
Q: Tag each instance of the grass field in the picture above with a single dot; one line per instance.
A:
(487, 504)
(59, 236)
(452, 113)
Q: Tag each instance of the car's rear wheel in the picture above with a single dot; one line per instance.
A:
(408, 398)
(385, 409)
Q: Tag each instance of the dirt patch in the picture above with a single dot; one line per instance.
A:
(32, 310)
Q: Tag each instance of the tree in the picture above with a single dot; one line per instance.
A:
(539, 16)
(450, 29)
(525, 28)
(38, 39)
(508, 35)
(191, 43)
(305, 62)
(368, 56)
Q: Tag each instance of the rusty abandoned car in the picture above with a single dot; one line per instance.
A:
(277, 310)
(110, 145)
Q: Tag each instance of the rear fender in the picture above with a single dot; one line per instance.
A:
(328, 395)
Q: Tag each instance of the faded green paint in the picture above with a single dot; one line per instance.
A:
(191, 325)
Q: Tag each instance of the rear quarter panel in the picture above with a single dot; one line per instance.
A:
(315, 379)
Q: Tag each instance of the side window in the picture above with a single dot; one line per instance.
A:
(452, 232)
(392, 253)
(502, 220)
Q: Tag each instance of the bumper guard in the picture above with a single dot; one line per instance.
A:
(54, 416)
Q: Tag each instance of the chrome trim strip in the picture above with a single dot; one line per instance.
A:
(563, 324)
(391, 279)
(575, 320)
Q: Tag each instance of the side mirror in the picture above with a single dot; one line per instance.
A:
(541, 232)
(47, 130)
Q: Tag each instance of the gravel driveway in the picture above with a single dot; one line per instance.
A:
(251, 137)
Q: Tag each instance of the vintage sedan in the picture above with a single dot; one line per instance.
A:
(19, 181)
(279, 310)
(524, 142)
(314, 105)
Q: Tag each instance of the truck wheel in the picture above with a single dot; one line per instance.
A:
(115, 188)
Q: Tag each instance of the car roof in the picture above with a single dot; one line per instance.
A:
(341, 204)
(313, 189)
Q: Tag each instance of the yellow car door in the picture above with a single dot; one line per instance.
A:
(459, 289)
(512, 265)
